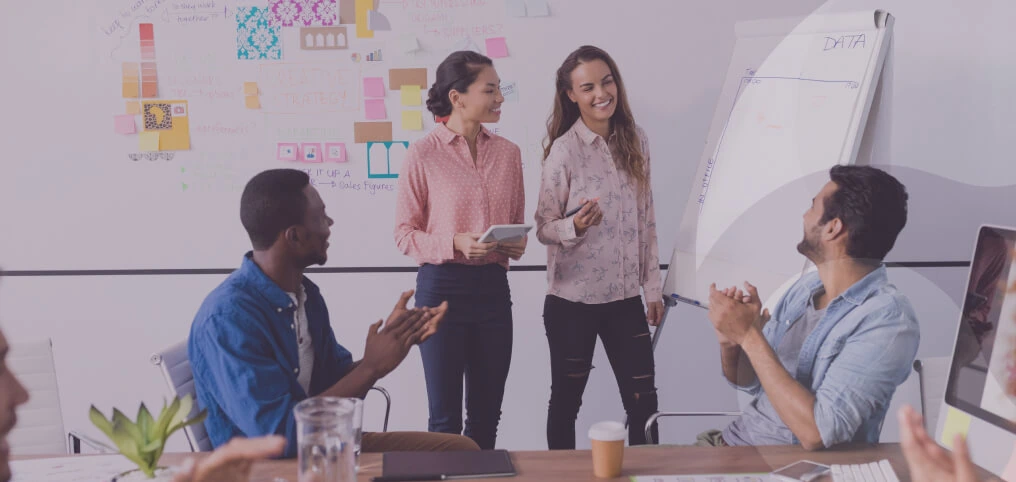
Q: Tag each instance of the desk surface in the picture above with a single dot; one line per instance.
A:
(566, 466)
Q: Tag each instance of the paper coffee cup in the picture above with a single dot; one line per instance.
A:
(608, 448)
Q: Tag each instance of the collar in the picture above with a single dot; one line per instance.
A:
(586, 134)
(447, 135)
(251, 273)
(859, 291)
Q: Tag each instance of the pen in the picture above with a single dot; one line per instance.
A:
(579, 207)
(409, 478)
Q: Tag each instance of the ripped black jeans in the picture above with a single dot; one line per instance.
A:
(572, 329)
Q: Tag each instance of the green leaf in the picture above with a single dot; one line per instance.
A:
(131, 428)
(128, 445)
(146, 424)
(200, 417)
(153, 446)
(100, 421)
(186, 404)
(167, 415)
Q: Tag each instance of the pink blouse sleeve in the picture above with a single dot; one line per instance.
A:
(411, 215)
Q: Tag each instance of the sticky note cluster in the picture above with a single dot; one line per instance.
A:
(311, 152)
(251, 95)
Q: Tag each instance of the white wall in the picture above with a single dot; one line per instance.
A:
(943, 124)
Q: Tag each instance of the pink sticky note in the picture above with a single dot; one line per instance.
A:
(497, 48)
(311, 152)
(375, 109)
(1010, 468)
(287, 151)
(373, 87)
(124, 124)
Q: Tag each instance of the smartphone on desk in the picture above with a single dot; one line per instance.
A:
(802, 471)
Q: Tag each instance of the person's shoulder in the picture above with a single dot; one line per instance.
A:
(500, 142)
(233, 299)
(888, 303)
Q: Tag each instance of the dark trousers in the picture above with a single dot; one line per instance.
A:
(572, 329)
(474, 341)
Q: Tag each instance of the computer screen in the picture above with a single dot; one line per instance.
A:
(982, 379)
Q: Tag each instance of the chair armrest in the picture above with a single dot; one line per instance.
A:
(652, 419)
(388, 404)
(75, 438)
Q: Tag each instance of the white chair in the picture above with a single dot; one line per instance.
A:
(40, 428)
(933, 374)
(176, 369)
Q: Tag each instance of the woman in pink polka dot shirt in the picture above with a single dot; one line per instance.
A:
(599, 258)
(455, 183)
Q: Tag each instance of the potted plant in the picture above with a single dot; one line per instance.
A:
(142, 441)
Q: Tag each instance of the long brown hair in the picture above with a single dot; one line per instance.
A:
(566, 113)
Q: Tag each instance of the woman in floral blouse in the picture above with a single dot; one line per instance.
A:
(600, 257)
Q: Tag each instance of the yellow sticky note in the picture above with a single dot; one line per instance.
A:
(253, 102)
(956, 422)
(412, 120)
(410, 94)
(133, 107)
(177, 136)
(363, 8)
(130, 90)
(250, 88)
(148, 141)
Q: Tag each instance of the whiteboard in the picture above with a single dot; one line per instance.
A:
(796, 97)
(86, 198)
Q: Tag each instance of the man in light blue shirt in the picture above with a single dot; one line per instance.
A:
(824, 367)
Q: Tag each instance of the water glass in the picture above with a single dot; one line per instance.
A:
(325, 441)
(357, 430)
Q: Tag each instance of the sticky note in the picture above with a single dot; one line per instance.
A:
(133, 107)
(250, 88)
(148, 141)
(335, 151)
(410, 95)
(399, 77)
(510, 91)
(311, 152)
(252, 102)
(286, 151)
(363, 8)
(373, 87)
(537, 8)
(364, 132)
(174, 128)
(130, 90)
(956, 422)
(515, 8)
(124, 124)
(375, 109)
(412, 120)
(497, 48)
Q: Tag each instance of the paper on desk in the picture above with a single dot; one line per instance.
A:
(702, 478)
(97, 468)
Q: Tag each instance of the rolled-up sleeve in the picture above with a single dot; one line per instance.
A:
(864, 374)
(551, 225)
(246, 381)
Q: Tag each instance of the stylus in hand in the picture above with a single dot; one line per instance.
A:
(579, 207)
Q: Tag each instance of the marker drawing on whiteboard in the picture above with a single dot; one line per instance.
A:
(705, 180)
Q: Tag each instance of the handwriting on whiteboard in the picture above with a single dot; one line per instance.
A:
(845, 42)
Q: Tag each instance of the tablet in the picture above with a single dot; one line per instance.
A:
(505, 233)
(803, 470)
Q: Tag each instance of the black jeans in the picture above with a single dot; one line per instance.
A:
(474, 341)
(572, 329)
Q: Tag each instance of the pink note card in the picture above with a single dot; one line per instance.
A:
(124, 124)
(373, 87)
(497, 48)
(375, 109)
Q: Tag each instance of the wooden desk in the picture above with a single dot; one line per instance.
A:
(567, 466)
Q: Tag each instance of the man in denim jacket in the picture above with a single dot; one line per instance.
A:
(823, 369)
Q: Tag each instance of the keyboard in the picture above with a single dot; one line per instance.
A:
(879, 471)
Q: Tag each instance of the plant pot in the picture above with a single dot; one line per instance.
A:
(162, 474)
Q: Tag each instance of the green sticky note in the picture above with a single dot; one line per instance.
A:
(956, 422)
(411, 95)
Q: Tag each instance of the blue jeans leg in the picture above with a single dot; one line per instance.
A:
(488, 358)
(444, 362)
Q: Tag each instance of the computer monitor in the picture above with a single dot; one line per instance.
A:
(982, 378)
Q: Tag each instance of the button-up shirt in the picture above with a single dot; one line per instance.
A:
(612, 260)
(860, 351)
(442, 192)
(244, 355)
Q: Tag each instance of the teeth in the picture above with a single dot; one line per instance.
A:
(604, 103)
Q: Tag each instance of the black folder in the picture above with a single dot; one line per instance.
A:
(447, 465)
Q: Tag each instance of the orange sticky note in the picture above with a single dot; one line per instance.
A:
(130, 90)
(253, 102)
(363, 8)
(133, 107)
(250, 88)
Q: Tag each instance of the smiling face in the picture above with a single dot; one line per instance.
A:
(481, 102)
(594, 90)
(12, 394)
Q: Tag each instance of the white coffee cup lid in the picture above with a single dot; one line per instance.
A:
(608, 431)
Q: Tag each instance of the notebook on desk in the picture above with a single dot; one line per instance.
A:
(446, 465)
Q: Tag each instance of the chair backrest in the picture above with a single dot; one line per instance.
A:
(176, 369)
(40, 428)
(933, 373)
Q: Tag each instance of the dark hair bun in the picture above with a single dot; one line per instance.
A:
(438, 104)
(456, 72)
